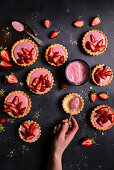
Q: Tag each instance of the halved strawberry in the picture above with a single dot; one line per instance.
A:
(25, 51)
(98, 71)
(15, 100)
(32, 87)
(19, 54)
(105, 119)
(30, 131)
(108, 73)
(23, 133)
(3, 120)
(1, 93)
(63, 85)
(9, 104)
(5, 64)
(7, 110)
(11, 78)
(14, 109)
(61, 60)
(27, 61)
(47, 23)
(19, 105)
(27, 56)
(87, 45)
(55, 34)
(32, 126)
(56, 60)
(92, 47)
(56, 54)
(41, 78)
(96, 21)
(30, 137)
(38, 86)
(50, 59)
(34, 130)
(100, 121)
(20, 61)
(88, 142)
(97, 78)
(92, 38)
(50, 53)
(47, 84)
(4, 54)
(35, 81)
(105, 68)
(111, 117)
(22, 110)
(43, 88)
(104, 96)
(46, 77)
(32, 51)
(93, 96)
(102, 48)
(105, 109)
(100, 43)
(26, 125)
(95, 42)
(102, 74)
(79, 23)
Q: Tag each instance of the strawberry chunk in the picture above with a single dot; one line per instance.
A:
(98, 71)
(61, 60)
(92, 38)
(92, 47)
(104, 96)
(9, 104)
(56, 54)
(20, 61)
(79, 23)
(26, 125)
(23, 133)
(35, 81)
(32, 87)
(7, 110)
(25, 51)
(108, 73)
(96, 21)
(27, 61)
(105, 68)
(95, 42)
(97, 78)
(56, 60)
(11, 78)
(46, 77)
(19, 105)
(4, 54)
(47, 23)
(47, 84)
(102, 48)
(50, 53)
(3, 120)
(5, 64)
(100, 43)
(30, 137)
(32, 51)
(55, 34)
(22, 110)
(15, 100)
(50, 59)
(38, 86)
(100, 121)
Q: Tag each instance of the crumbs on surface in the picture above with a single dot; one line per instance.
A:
(21, 84)
(90, 87)
(73, 42)
(10, 120)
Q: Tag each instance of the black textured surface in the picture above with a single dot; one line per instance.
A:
(62, 14)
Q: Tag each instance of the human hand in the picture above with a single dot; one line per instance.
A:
(64, 137)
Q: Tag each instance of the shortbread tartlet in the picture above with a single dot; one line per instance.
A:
(102, 75)
(29, 131)
(24, 52)
(66, 103)
(94, 42)
(17, 104)
(56, 55)
(40, 80)
(102, 117)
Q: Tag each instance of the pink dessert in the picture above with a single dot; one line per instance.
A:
(75, 103)
(77, 72)
(59, 50)
(18, 26)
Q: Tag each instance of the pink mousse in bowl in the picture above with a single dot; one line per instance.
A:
(77, 72)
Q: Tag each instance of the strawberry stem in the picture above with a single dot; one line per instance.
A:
(2, 128)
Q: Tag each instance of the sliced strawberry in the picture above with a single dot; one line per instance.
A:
(38, 86)
(35, 81)
(47, 23)
(11, 78)
(95, 42)
(20, 61)
(30, 137)
(92, 47)
(105, 109)
(47, 84)
(34, 130)
(19, 54)
(87, 45)
(3, 120)
(98, 71)
(104, 96)
(50, 53)
(31, 57)
(22, 110)
(5, 64)
(56, 54)
(4, 54)
(92, 38)
(105, 119)
(108, 73)
(100, 43)
(19, 105)
(88, 142)
(97, 78)
(26, 125)
(93, 96)
(32, 51)
(63, 85)
(27, 56)
(15, 100)
(32, 126)
(79, 23)
(55, 34)
(30, 131)
(46, 77)
(27, 61)
(14, 109)
(102, 74)
(61, 60)
(50, 59)
(1, 93)
(9, 104)
(102, 48)
(100, 121)
(56, 59)
(105, 68)
(41, 78)
(111, 117)
(7, 110)
(96, 21)
(23, 133)
(15, 113)
(32, 87)
(25, 51)
(43, 88)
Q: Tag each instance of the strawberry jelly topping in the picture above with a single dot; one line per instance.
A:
(18, 26)
(59, 49)
(75, 103)
(77, 72)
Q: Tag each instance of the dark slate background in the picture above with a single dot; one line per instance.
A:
(46, 109)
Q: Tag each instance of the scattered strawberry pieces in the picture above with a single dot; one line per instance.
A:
(47, 23)
(1, 93)
(88, 142)
(104, 96)
(55, 34)
(63, 86)
(3, 120)
(5, 64)
(4, 54)
(96, 21)
(79, 23)
(93, 96)
(11, 78)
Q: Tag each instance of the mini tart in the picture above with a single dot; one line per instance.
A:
(65, 54)
(30, 74)
(93, 75)
(98, 126)
(104, 43)
(34, 138)
(66, 103)
(22, 41)
(28, 106)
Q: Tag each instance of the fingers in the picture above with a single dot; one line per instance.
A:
(63, 129)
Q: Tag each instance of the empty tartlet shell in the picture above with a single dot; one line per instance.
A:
(51, 46)
(93, 73)
(84, 45)
(28, 108)
(92, 121)
(20, 41)
(32, 140)
(48, 89)
(66, 103)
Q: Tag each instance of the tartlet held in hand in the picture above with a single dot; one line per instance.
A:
(94, 42)
(24, 52)
(56, 55)
(17, 104)
(102, 117)
(40, 80)
(68, 103)
(102, 75)
(29, 131)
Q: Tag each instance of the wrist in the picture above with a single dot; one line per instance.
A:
(56, 155)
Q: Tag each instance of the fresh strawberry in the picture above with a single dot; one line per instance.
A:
(50, 53)
(23, 133)
(100, 121)
(19, 54)
(108, 73)
(19, 105)
(79, 23)
(4, 54)
(14, 109)
(5, 64)
(55, 34)
(27, 61)
(7, 110)
(11, 78)
(98, 71)
(3, 120)
(21, 61)
(38, 86)
(105, 68)
(25, 51)
(32, 87)
(15, 100)
(92, 47)
(26, 125)
(32, 126)
(34, 130)
(47, 84)
(93, 96)
(111, 117)
(102, 74)
(96, 21)
(104, 96)
(63, 85)
(100, 43)
(46, 77)
(26, 56)
(56, 54)
(43, 88)
(41, 78)
(87, 45)
(47, 23)
(97, 78)
(105, 109)
(61, 60)
(56, 59)
(35, 81)
(30, 131)
(50, 59)
(32, 51)
(30, 137)
(92, 38)
(9, 104)
(22, 110)
(88, 142)
(1, 93)
(95, 42)
(102, 48)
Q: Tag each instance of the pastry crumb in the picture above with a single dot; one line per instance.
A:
(73, 42)
(90, 87)
(21, 83)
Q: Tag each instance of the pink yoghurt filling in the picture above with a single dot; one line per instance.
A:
(77, 72)
(18, 26)
(75, 103)
(59, 49)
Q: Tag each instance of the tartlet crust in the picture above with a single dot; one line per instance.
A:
(20, 41)
(92, 121)
(66, 103)
(34, 139)
(84, 45)
(28, 79)
(93, 73)
(51, 46)
(28, 108)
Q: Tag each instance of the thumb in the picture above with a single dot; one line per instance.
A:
(63, 129)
